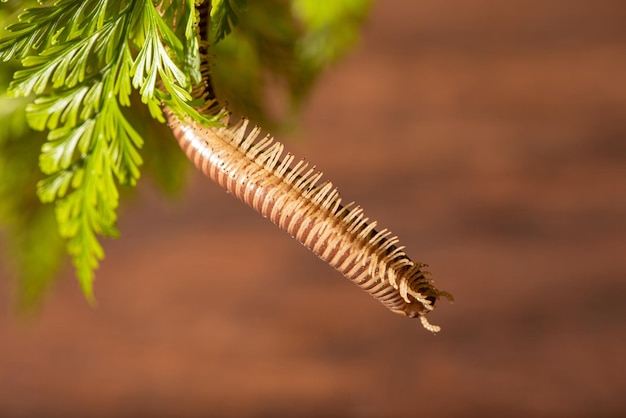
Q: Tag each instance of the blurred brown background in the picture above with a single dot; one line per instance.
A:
(488, 134)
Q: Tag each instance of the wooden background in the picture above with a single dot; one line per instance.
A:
(491, 136)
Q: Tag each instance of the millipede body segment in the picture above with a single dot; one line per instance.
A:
(289, 192)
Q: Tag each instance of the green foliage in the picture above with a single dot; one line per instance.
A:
(80, 58)
(331, 27)
(36, 248)
(281, 48)
(224, 16)
(86, 62)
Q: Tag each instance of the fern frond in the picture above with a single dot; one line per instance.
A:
(59, 152)
(224, 16)
(42, 27)
(82, 60)
(66, 109)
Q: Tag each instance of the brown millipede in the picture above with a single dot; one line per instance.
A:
(256, 170)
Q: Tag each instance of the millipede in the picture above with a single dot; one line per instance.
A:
(290, 192)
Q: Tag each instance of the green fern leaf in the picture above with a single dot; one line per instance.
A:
(78, 58)
(48, 112)
(224, 16)
(59, 152)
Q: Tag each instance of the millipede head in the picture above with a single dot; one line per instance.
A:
(417, 308)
